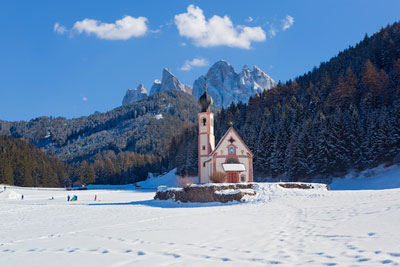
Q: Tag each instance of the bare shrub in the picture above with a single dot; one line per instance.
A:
(185, 181)
(218, 177)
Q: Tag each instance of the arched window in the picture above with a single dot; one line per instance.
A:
(231, 160)
(204, 121)
(231, 150)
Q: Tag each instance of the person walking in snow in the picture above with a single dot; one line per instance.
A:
(22, 197)
(95, 197)
(68, 198)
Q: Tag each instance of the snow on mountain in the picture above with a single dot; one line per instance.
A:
(169, 82)
(156, 87)
(133, 95)
(225, 85)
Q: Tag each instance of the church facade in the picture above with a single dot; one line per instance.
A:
(230, 156)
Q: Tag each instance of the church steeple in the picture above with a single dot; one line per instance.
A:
(205, 100)
(206, 141)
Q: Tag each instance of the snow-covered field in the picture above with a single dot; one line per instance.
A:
(283, 227)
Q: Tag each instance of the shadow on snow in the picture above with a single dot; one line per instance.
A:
(169, 204)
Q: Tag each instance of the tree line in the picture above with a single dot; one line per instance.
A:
(342, 116)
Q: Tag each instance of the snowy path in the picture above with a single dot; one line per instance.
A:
(128, 228)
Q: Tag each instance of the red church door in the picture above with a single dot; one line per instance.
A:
(232, 177)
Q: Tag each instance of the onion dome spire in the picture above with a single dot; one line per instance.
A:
(205, 100)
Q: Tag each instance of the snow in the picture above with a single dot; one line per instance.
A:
(169, 179)
(233, 191)
(233, 167)
(13, 195)
(377, 178)
(127, 227)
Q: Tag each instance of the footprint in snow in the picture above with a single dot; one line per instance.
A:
(394, 254)
(173, 255)
(105, 251)
(274, 262)
(386, 261)
(128, 251)
(225, 259)
(257, 259)
(141, 253)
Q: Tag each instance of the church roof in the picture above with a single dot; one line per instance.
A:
(225, 135)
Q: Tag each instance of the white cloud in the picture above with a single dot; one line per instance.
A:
(216, 31)
(250, 19)
(122, 29)
(272, 32)
(60, 29)
(183, 44)
(196, 62)
(155, 31)
(84, 98)
(287, 22)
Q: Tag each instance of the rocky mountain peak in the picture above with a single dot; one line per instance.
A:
(169, 82)
(141, 89)
(133, 95)
(225, 85)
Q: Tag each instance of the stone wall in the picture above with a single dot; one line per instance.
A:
(205, 193)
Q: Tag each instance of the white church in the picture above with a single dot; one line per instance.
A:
(230, 155)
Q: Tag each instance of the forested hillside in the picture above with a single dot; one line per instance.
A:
(143, 127)
(342, 116)
(23, 164)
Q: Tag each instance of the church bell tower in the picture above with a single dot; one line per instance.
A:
(206, 139)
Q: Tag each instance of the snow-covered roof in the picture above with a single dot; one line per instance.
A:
(233, 167)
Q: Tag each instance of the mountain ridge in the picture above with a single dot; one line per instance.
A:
(224, 83)
(145, 126)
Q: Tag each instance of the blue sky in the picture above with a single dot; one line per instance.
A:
(81, 65)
